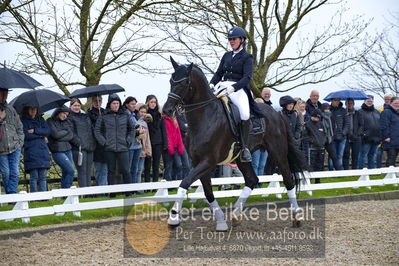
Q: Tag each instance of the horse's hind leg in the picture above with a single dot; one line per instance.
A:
(289, 184)
(202, 169)
(221, 224)
(251, 180)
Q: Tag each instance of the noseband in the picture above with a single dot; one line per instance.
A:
(180, 105)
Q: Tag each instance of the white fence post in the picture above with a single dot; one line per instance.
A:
(274, 184)
(364, 178)
(162, 192)
(199, 189)
(21, 205)
(73, 199)
(391, 174)
(306, 181)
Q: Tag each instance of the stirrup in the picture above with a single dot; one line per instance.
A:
(245, 156)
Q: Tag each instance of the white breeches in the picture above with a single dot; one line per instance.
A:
(240, 99)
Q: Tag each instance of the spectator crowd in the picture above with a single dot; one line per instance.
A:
(135, 137)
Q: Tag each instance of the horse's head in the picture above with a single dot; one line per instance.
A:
(180, 88)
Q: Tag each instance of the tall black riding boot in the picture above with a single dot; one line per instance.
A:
(244, 133)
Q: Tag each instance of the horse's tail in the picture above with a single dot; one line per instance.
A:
(296, 160)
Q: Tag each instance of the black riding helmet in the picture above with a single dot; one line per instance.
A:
(237, 32)
(286, 100)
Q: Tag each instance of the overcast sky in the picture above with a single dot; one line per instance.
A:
(140, 86)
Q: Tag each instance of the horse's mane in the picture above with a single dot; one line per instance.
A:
(201, 73)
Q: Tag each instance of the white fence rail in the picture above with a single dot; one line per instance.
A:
(72, 204)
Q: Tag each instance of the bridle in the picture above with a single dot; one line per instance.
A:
(180, 105)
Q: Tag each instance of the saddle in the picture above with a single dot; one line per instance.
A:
(233, 116)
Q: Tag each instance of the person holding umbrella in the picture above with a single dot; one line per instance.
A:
(59, 143)
(83, 143)
(11, 141)
(36, 153)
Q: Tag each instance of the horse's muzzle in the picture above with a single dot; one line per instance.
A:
(168, 111)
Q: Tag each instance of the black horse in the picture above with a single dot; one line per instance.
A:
(209, 140)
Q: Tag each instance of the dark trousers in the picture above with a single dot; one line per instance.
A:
(123, 163)
(352, 150)
(392, 154)
(169, 161)
(332, 154)
(153, 161)
(316, 161)
(84, 170)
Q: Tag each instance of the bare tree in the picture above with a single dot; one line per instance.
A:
(283, 58)
(4, 5)
(378, 71)
(85, 37)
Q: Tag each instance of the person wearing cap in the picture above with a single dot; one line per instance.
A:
(236, 66)
(11, 141)
(61, 133)
(291, 117)
(316, 137)
(353, 140)
(370, 134)
(115, 132)
(340, 123)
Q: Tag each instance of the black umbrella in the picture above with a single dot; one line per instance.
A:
(13, 79)
(96, 90)
(44, 100)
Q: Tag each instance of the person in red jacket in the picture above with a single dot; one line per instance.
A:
(175, 149)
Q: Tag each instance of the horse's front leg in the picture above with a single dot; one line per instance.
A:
(221, 224)
(201, 169)
(251, 180)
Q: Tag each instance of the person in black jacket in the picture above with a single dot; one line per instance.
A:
(83, 143)
(316, 138)
(59, 143)
(158, 137)
(353, 140)
(236, 67)
(114, 131)
(100, 165)
(370, 133)
(291, 117)
(340, 123)
(390, 130)
(313, 102)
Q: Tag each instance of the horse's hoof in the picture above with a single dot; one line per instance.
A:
(174, 220)
(296, 221)
(221, 226)
(236, 221)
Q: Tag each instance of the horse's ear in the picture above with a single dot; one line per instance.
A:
(174, 64)
(190, 67)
